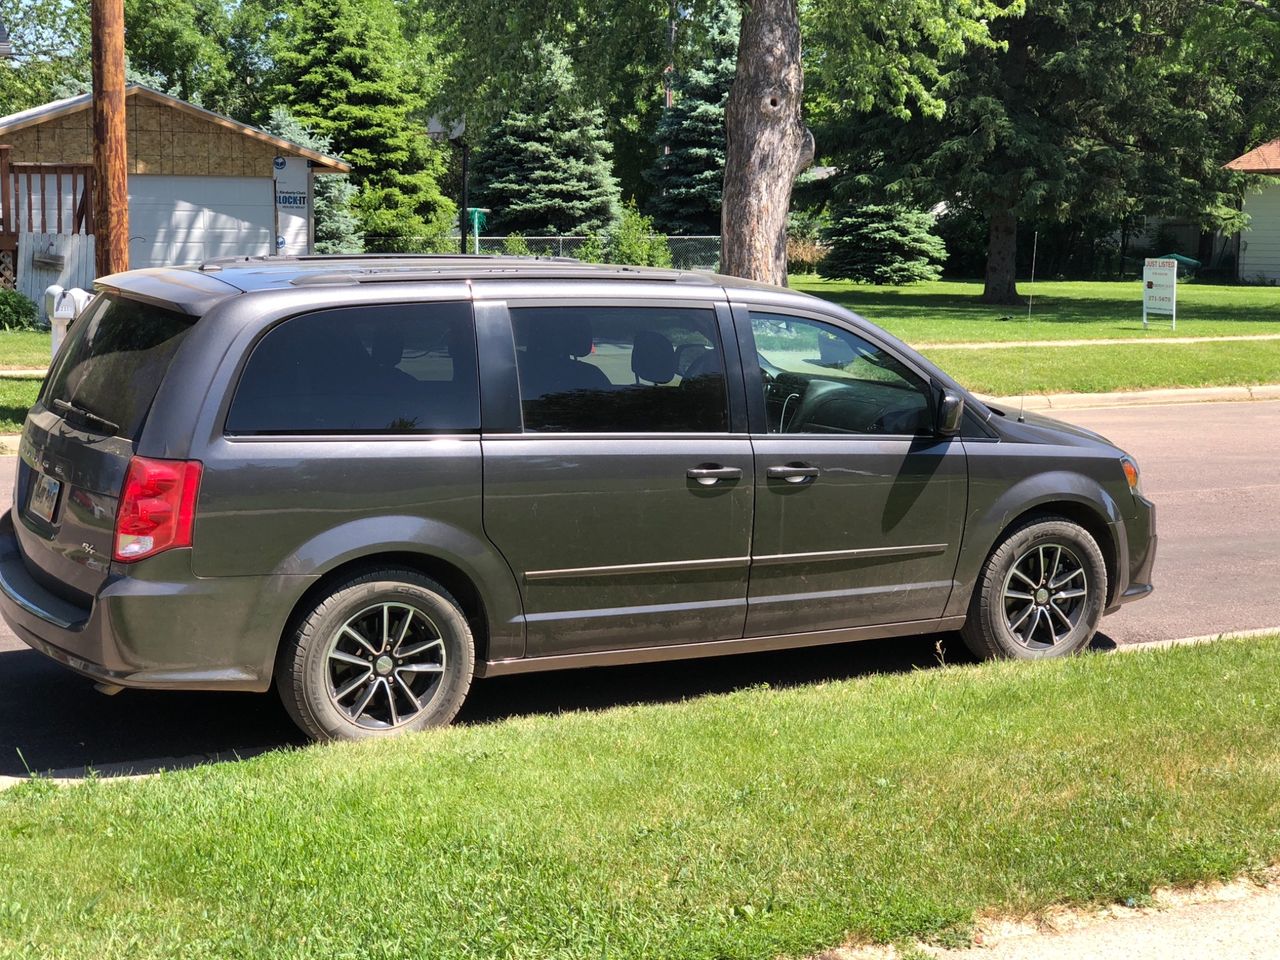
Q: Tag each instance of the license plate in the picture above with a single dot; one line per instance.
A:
(44, 497)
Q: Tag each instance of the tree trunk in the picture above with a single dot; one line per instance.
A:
(1001, 285)
(767, 142)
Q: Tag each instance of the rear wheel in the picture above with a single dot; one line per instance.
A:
(386, 652)
(1040, 594)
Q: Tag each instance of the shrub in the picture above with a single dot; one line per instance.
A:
(882, 244)
(804, 254)
(593, 249)
(516, 246)
(633, 241)
(17, 312)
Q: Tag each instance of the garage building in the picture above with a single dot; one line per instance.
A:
(201, 185)
(1259, 257)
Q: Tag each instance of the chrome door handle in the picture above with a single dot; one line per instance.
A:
(713, 473)
(793, 473)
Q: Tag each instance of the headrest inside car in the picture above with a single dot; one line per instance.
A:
(566, 335)
(653, 358)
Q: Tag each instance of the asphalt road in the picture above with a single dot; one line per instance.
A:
(1210, 468)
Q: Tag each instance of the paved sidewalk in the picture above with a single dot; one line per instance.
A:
(1115, 342)
(24, 372)
(1239, 920)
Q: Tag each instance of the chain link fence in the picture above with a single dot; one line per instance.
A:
(687, 253)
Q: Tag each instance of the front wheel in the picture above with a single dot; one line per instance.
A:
(385, 652)
(1040, 594)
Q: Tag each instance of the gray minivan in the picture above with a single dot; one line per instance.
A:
(371, 479)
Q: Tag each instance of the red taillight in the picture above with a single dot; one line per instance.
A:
(157, 507)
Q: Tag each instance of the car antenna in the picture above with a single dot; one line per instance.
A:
(1031, 299)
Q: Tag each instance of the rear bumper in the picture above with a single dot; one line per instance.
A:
(163, 628)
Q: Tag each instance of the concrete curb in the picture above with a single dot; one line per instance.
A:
(1139, 398)
(25, 373)
(1115, 342)
(1198, 641)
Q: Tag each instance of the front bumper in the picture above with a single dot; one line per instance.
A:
(159, 627)
(1136, 541)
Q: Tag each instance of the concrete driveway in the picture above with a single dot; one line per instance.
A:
(1211, 468)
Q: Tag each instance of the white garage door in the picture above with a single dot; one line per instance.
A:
(177, 220)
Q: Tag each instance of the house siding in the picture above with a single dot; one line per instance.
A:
(1260, 243)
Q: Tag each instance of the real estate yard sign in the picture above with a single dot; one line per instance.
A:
(1160, 290)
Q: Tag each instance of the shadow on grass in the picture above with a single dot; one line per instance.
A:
(12, 418)
(53, 722)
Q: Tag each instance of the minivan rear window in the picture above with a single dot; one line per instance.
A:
(115, 359)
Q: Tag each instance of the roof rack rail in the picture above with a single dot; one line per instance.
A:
(217, 263)
(546, 270)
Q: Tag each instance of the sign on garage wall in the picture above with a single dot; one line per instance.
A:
(293, 205)
(1160, 290)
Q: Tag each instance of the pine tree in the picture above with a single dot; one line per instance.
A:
(688, 175)
(545, 167)
(336, 229)
(340, 72)
(882, 244)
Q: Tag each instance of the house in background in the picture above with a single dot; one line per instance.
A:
(1258, 260)
(201, 185)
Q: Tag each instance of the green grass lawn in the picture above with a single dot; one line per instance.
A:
(949, 312)
(16, 397)
(24, 349)
(1009, 371)
(761, 823)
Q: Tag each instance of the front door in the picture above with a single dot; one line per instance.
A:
(624, 505)
(859, 506)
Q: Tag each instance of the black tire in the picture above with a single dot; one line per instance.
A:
(404, 606)
(994, 629)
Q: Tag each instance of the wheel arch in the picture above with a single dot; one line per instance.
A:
(1067, 494)
(1083, 515)
(456, 581)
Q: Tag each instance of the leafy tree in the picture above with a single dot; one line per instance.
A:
(184, 44)
(544, 167)
(336, 229)
(340, 70)
(868, 56)
(1089, 112)
(882, 244)
(688, 173)
(50, 47)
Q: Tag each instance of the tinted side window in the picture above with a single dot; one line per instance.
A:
(392, 368)
(820, 378)
(620, 369)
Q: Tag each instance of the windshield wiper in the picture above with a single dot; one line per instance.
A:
(88, 415)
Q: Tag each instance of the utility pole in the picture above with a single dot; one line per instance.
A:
(110, 139)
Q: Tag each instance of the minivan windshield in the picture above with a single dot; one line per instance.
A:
(116, 356)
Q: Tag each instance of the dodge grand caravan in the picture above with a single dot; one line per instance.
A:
(368, 481)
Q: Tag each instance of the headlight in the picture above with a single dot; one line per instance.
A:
(1130, 467)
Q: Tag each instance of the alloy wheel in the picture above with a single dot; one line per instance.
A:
(1044, 596)
(384, 665)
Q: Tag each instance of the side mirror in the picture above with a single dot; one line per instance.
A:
(950, 413)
